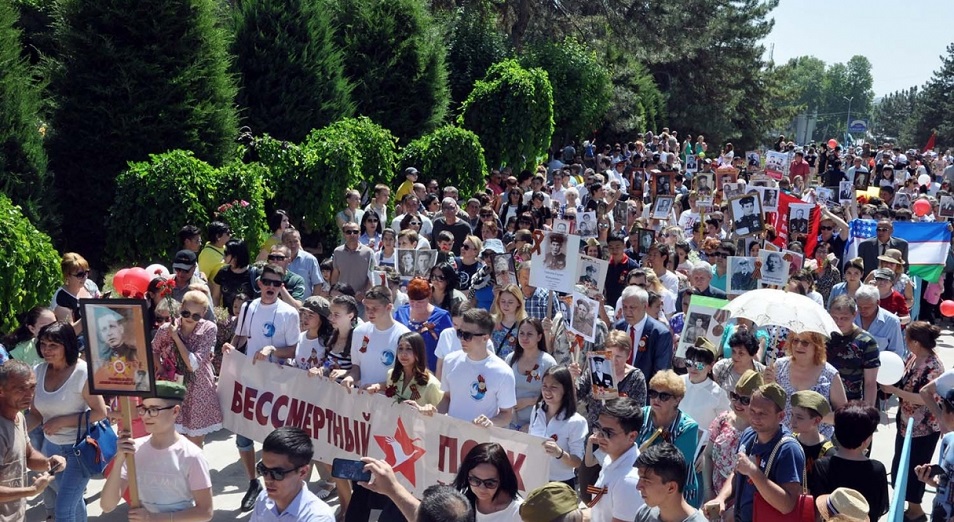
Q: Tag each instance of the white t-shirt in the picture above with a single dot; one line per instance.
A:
(477, 387)
(374, 350)
(448, 343)
(704, 401)
(167, 477)
(310, 352)
(569, 434)
(66, 400)
(276, 324)
(687, 220)
(559, 195)
(507, 514)
(621, 499)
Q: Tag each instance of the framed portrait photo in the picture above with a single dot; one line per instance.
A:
(663, 183)
(946, 208)
(602, 378)
(747, 219)
(118, 351)
(662, 207)
(646, 238)
(704, 184)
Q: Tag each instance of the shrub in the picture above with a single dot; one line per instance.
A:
(511, 111)
(376, 146)
(31, 265)
(451, 155)
(238, 181)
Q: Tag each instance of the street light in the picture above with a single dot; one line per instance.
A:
(848, 123)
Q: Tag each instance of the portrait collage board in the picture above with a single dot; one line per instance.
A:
(583, 315)
(705, 318)
(415, 263)
(602, 379)
(591, 274)
(557, 256)
(118, 351)
(776, 164)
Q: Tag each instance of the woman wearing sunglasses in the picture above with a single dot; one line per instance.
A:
(444, 292)
(371, 229)
(184, 348)
(744, 346)
(664, 421)
(76, 286)
(487, 479)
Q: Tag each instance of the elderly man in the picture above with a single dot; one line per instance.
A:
(451, 222)
(652, 342)
(883, 325)
(302, 262)
(853, 352)
(700, 278)
(871, 248)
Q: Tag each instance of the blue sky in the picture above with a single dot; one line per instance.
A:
(903, 40)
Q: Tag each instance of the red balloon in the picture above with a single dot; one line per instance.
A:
(136, 282)
(119, 279)
(832, 143)
(922, 207)
(947, 308)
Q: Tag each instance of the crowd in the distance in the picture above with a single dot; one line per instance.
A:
(414, 303)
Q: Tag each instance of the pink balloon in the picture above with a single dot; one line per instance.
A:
(136, 282)
(832, 143)
(947, 308)
(119, 279)
(922, 207)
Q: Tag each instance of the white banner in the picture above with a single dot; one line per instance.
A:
(256, 399)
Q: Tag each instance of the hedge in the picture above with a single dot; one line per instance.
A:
(451, 155)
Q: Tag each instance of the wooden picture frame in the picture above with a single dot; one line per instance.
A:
(118, 350)
(662, 207)
(663, 183)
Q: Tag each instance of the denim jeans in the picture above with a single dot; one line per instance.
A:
(69, 484)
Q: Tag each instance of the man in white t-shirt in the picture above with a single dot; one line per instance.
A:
(374, 343)
(614, 498)
(171, 473)
(448, 342)
(478, 386)
(269, 328)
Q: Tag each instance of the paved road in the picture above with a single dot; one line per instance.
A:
(229, 482)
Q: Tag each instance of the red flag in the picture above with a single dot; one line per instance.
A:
(930, 143)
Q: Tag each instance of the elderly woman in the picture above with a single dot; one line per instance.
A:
(922, 366)
(826, 275)
(890, 299)
(854, 269)
(722, 450)
(420, 316)
(76, 286)
(664, 421)
(805, 368)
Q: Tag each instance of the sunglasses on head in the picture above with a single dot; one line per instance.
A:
(741, 399)
(277, 474)
(467, 336)
(663, 396)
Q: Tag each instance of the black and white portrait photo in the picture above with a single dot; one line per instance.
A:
(741, 276)
(697, 325)
(753, 159)
(774, 268)
(586, 223)
(946, 208)
(584, 312)
(662, 207)
(798, 215)
(591, 273)
(406, 261)
(601, 375)
(846, 192)
(692, 163)
(555, 257)
(426, 259)
(703, 183)
(769, 199)
(663, 184)
(747, 215)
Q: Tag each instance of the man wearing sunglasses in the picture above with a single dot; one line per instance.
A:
(614, 497)
(185, 266)
(286, 464)
(351, 262)
(871, 248)
(171, 472)
(478, 386)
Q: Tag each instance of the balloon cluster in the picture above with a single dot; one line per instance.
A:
(134, 282)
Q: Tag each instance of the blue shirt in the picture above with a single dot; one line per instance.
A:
(536, 304)
(717, 280)
(944, 498)
(786, 469)
(305, 507)
(306, 265)
(438, 321)
(886, 329)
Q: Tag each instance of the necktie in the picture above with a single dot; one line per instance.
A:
(884, 246)
(632, 339)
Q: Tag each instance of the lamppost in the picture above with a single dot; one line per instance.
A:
(848, 123)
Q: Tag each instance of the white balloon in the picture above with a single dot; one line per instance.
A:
(891, 370)
(924, 179)
(157, 270)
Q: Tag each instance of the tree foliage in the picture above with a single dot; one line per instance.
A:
(636, 104)
(934, 107)
(581, 85)
(395, 58)
(451, 155)
(32, 266)
(134, 79)
(376, 146)
(891, 115)
(291, 74)
(511, 111)
(473, 45)
(22, 158)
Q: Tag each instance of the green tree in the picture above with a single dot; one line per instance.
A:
(636, 103)
(934, 107)
(291, 74)
(134, 79)
(394, 56)
(22, 158)
(376, 146)
(451, 155)
(581, 85)
(893, 114)
(473, 45)
(511, 111)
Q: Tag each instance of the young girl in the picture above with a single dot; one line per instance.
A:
(344, 318)
(704, 398)
(554, 418)
(316, 329)
(371, 230)
(409, 381)
(528, 362)
(507, 311)
(387, 256)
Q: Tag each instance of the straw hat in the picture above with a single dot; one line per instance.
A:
(842, 505)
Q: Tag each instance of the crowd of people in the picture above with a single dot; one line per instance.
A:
(427, 299)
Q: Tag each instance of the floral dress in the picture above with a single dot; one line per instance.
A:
(505, 339)
(423, 395)
(825, 281)
(924, 423)
(724, 444)
(823, 386)
(200, 413)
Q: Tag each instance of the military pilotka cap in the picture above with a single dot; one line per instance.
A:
(549, 502)
(774, 393)
(170, 390)
(750, 381)
(705, 344)
(811, 400)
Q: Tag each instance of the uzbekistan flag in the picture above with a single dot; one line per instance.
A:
(928, 245)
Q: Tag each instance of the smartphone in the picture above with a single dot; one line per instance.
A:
(350, 470)
(57, 466)
(936, 470)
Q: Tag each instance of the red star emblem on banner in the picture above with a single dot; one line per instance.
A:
(401, 452)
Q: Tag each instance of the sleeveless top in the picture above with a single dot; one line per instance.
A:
(66, 400)
(823, 386)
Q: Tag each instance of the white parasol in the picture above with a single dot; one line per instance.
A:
(779, 308)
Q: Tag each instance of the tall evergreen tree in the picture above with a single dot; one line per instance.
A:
(135, 78)
(22, 159)
(934, 107)
(395, 58)
(291, 74)
(473, 45)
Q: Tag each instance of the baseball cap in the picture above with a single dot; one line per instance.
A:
(410, 171)
(494, 245)
(884, 273)
(184, 260)
(319, 305)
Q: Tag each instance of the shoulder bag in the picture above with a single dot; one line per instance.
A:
(95, 444)
(804, 510)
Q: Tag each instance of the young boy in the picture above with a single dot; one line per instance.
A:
(407, 187)
(445, 247)
(172, 475)
(808, 409)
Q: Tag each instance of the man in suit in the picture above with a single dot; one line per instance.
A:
(871, 248)
(652, 341)
(601, 376)
(798, 224)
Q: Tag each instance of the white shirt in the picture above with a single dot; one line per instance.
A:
(304, 358)
(448, 343)
(167, 477)
(426, 224)
(671, 282)
(621, 500)
(559, 195)
(65, 400)
(276, 324)
(704, 401)
(477, 387)
(569, 434)
(507, 514)
(374, 350)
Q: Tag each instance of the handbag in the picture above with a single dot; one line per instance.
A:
(95, 444)
(804, 510)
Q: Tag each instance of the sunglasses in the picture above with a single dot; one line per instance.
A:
(81, 274)
(273, 257)
(467, 336)
(741, 399)
(182, 270)
(188, 315)
(663, 396)
(414, 223)
(717, 254)
(151, 412)
(466, 247)
(603, 432)
(272, 282)
(698, 365)
(439, 278)
(371, 220)
(274, 473)
(485, 483)
(826, 228)
(882, 229)
(351, 232)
